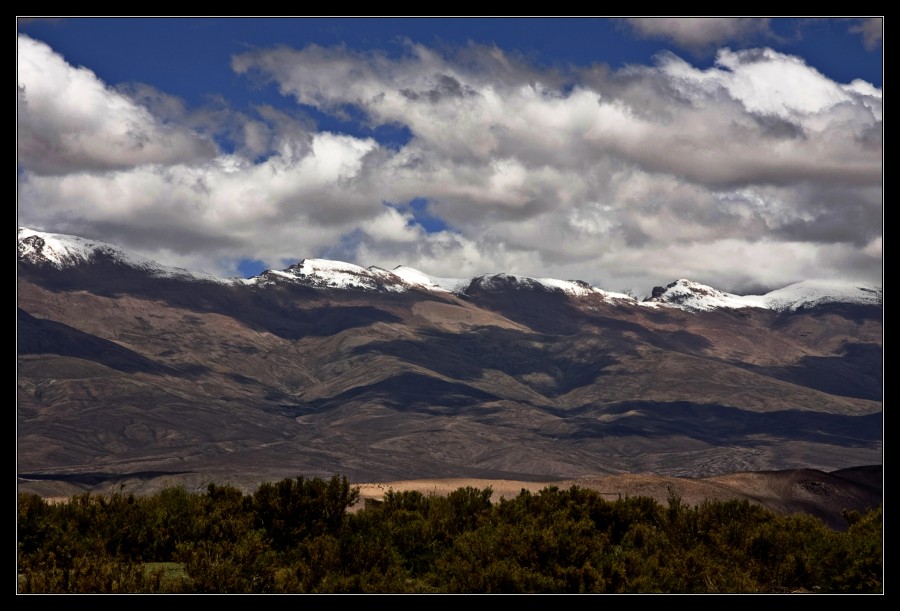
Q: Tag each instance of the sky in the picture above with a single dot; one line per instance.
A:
(744, 153)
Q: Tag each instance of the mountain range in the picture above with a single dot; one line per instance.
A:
(136, 372)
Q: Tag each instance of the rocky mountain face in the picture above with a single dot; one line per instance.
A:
(131, 371)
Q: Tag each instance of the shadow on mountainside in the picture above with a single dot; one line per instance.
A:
(721, 425)
(858, 372)
(277, 309)
(39, 336)
(466, 356)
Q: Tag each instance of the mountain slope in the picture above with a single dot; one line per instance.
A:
(128, 367)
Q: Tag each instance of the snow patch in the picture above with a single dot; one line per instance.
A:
(328, 274)
(689, 295)
(62, 251)
(693, 296)
(434, 283)
(572, 288)
(580, 288)
(811, 293)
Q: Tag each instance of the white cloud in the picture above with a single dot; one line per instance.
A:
(742, 266)
(767, 82)
(69, 120)
(752, 172)
(302, 203)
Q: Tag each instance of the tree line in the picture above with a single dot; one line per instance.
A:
(297, 535)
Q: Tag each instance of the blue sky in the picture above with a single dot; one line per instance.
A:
(745, 153)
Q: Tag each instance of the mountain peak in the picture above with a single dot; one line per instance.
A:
(694, 296)
(434, 283)
(330, 274)
(570, 288)
(690, 295)
(810, 293)
(60, 252)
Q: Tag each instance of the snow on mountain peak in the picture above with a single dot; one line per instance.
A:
(434, 283)
(689, 295)
(693, 296)
(811, 293)
(325, 273)
(572, 288)
(62, 251)
(580, 288)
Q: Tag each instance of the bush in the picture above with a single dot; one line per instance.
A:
(296, 536)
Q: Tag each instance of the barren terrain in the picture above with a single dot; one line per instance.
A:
(131, 381)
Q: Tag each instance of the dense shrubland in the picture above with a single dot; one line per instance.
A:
(297, 536)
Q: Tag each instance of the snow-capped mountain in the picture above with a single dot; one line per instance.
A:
(811, 293)
(693, 296)
(571, 288)
(435, 283)
(128, 367)
(326, 274)
(61, 251)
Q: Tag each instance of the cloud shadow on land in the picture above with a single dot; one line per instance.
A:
(858, 372)
(39, 336)
(722, 425)
(466, 356)
(412, 392)
(275, 309)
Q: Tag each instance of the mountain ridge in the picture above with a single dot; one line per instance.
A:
(124, 369)
(60, 251)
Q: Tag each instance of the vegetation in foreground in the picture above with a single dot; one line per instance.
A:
(296, 535)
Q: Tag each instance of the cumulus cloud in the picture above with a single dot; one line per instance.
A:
(69, 120)
(513, 118)
(700, 33)
(276, 208)
(756, 171)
